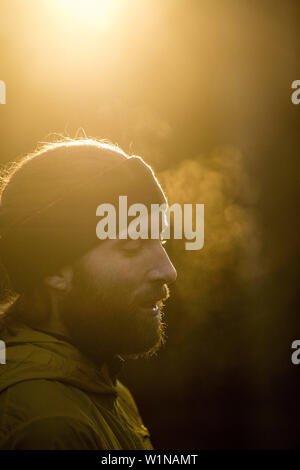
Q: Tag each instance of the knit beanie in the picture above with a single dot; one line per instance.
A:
(48, 205)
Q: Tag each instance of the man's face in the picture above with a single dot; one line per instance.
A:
(115, 304)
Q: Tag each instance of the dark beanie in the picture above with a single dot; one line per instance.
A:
(48, 207)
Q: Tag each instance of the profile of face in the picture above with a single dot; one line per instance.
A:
(115, 302)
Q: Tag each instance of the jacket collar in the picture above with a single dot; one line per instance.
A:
(111, 367)
(33, 354)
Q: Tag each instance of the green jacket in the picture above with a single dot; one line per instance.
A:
(53, 397)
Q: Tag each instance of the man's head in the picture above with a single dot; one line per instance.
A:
(106, 295)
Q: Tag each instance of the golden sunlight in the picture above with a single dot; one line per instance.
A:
(98, 12)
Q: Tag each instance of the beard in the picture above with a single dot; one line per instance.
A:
(102, 322)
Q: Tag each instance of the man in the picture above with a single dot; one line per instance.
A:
(83, 305)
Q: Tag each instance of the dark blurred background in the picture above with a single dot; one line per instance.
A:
(202, 90)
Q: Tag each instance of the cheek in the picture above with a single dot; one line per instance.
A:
(116, 273)
(114, 278)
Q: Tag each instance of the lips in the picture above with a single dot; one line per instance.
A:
(151, 304)
(153, 307)
(156, 301)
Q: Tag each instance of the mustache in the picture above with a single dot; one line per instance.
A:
(165, 292)
(158, 296)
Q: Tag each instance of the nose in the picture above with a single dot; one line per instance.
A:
(162, 268)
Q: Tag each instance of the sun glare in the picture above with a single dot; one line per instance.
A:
(96, 12)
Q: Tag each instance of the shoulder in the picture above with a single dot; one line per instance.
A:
(32, 409)
(52, 433)
(39, 397)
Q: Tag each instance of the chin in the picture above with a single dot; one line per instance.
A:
(147, 345)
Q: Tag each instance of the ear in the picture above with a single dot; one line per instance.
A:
(60, 281)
